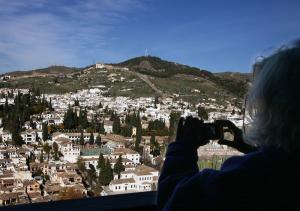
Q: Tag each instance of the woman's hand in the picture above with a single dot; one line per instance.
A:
(191, 131)
(238, 142)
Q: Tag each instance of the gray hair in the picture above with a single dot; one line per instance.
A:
(274, 101)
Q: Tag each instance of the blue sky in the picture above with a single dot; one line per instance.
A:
(223, 35)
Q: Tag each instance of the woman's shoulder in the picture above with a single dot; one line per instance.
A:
(241, 161)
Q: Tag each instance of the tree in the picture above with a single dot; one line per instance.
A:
(174, 119)
(82, 119)
(102, 130)
(202, 113)
(31, 158)
(70, 119)
(126, 130)
(156, 102)
(91, 174)
(81, 165)
(138, 139)
(116, 125)
(6, 107)
(91, 140)
(101, 162)
(76, 102)
(81, 140)
(55, 149)
(233, 112)
(42, 157)
(47, 149)
(17, 138)
(98, 140)
(157, 124)
(106, 174)
(50, 105)
(119, 167)
(154, 147)
(45, 131)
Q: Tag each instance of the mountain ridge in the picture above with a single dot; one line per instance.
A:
(139, 76)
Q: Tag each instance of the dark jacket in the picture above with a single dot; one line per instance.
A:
(267, 179)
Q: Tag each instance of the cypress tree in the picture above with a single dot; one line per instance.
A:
(70, 119)
(42, 157)
(117, 125)
(47, 149)
(102, 130)
(81, 140)
(202, 113)
(119, 167)
(81, 165)
(91, 140)
(174, 119)
(45, 131)
(17, 138)
(138, 139)
(98, 140)
(55, 149)
(110, 173)
(106, 174)
(83, 122)
(154, 147)
(101, 162)
(6, 108)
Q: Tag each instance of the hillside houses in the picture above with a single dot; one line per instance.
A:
(143, 178)
(126, 153)
(31, 136)
(36, 172)
(68, 149)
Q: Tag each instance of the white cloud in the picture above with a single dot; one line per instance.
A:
(37, 33)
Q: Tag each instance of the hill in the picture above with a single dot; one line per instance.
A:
(52, 70)
(235, 83)
(155, 66)
(140, 76)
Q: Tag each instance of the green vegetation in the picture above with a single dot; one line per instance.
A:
(214, 162)
(192, 84)
(155, 66)
(48, 70)
(202, 113)
(71, 121)
(154, 147)
(106, 174)
(14, 116)
(236, 87)
(119, 167)
(174, 119)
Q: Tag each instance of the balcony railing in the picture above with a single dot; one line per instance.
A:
(134, 201)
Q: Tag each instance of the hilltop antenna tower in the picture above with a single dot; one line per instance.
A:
(146, 52)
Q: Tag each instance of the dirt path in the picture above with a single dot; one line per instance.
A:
(147, 81)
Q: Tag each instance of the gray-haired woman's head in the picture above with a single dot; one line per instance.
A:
(274, 101)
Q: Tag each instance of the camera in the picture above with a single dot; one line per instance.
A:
(212, 131)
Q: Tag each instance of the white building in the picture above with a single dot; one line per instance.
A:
(6, 136)
(30, 136)
(143, 178)
(70, 151)
(128, 154)
(108, 126)
(76, 136)
(99, 66)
